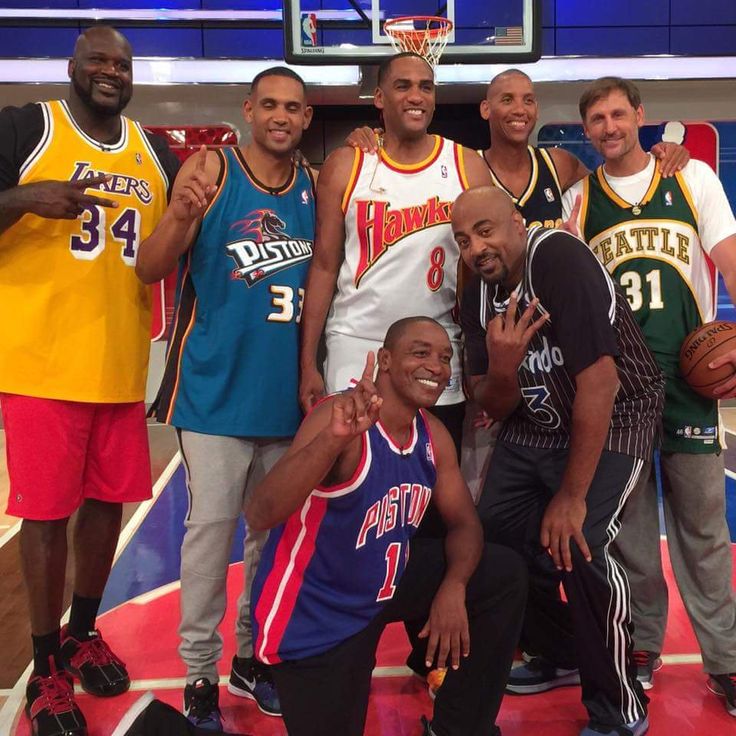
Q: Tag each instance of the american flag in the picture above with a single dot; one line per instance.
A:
(509, 36)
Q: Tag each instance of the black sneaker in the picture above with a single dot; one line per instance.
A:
(538, 676)
(647, 663)
(251, 679)
(429, 732)
(51, 708)
(725, 687)
(99, 671)
(202, 705)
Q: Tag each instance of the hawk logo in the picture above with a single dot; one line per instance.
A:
(263, 248)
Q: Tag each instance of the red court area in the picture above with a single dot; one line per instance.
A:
(143, 632)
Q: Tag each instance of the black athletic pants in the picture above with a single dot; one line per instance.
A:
(327, 695)
(593, 632)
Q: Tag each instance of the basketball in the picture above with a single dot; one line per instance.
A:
(701, 347)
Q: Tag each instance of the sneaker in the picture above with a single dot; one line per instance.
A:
(725, 687)
(99, 671)
(538, 676)
(647, 663)
(429, 732)
(434, 681)
(202, 705)
(51, 708)
(637, 728)
(251, 679)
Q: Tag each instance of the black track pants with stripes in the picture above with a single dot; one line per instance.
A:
(592, 631)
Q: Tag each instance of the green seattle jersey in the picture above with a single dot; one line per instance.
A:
(653, 250)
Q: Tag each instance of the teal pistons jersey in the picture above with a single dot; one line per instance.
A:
(232, 365)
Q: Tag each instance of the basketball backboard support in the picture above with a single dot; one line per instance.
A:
(352, 31)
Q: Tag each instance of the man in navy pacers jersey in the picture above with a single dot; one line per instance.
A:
(241, 224)
(581, 398)
(340, 563)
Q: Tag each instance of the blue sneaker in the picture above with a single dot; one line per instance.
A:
(637, 728)
(251, 679)
(201, 705)
(538, 676)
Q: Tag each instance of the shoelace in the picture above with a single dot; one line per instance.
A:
(95, 652)
(55, 694)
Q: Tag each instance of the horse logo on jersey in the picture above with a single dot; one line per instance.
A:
(263, 247)
(379, 227)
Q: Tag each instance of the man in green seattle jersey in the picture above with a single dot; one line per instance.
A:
(659, 238)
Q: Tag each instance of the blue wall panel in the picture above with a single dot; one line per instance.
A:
(612, 41)
(548, 12)
(37, 42)
(703, 40)
(711, 12)
(157, 41)
(621, 13)
(243, 44)
(548, 42)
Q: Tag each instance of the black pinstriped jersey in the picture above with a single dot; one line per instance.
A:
(588, 318)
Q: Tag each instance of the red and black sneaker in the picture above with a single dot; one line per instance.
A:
(99, 671)
(50, 706)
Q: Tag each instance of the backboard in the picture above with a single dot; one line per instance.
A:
(352, 31)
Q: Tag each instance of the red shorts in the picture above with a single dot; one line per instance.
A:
(63, 452)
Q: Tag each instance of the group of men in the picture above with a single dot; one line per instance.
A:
(565, 348)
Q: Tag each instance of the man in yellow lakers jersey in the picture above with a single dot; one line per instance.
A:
(80, 187)
(662, 240)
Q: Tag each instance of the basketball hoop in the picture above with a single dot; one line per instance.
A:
(425, 35)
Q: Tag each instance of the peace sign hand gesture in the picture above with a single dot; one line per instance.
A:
(357, 410)
(507, 338)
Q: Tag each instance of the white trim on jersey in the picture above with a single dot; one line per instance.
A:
(283, 583)
(44, 142)
(392, 444)
(359, 475)
(116, 147)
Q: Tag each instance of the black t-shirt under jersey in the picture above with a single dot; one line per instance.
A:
(589, 318)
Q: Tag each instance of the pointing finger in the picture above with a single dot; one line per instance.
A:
(91, 181)
(201, 158)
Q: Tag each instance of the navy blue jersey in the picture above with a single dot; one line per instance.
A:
(330, 569)
(232, 366)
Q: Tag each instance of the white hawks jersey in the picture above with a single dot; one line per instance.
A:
(400, 257)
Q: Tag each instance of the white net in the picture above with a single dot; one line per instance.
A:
(423, 35)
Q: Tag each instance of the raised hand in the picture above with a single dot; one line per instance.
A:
(507, 338)
(357, 410)
(60, 200)
(195, 191)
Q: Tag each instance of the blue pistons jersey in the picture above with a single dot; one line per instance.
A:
(332, 566)
(232, 365)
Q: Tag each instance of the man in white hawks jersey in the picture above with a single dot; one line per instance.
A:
(384, 238)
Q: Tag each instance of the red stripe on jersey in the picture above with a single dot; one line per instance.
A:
(356, 473)
(281, 588)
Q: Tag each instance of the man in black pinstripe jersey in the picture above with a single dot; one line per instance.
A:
(553, 350)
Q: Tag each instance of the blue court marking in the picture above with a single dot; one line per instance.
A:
(153, 555)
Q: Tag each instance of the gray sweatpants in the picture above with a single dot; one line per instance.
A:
(700, 550)
(221, 471)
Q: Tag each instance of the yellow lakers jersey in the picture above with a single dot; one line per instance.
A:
(77, 320)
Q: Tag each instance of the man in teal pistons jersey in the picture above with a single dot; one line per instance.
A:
(241, 226)
(662, 240)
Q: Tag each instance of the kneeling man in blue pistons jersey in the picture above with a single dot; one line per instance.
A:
(345, 501)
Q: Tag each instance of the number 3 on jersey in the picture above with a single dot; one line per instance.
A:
(125, 230)
(282, 301)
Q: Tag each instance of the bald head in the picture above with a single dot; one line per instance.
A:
(100, 34)
(504, 76)
(490, 234)
(400, 328)
(101, 72)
